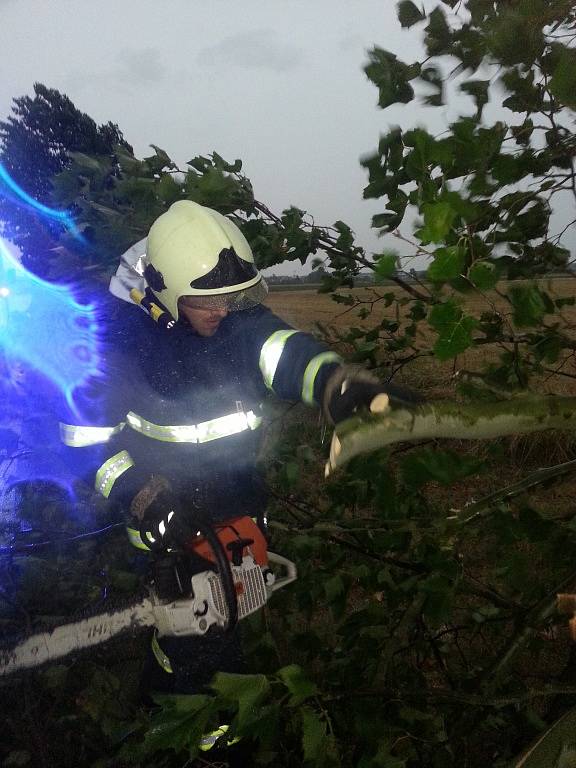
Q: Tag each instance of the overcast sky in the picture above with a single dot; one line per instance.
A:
(279, 84)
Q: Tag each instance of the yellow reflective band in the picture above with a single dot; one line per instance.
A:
(209, 739)
(312, 371)
(135, 539)
(111, 470)
(271, 353)
(77, 436)
(160, 656)
(223, 426)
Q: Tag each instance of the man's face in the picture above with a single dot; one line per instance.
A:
(204, 320)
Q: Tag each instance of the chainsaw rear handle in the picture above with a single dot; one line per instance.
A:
(224, 569)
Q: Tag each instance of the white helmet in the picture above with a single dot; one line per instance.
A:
(196, 252)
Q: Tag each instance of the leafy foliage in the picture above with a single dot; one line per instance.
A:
(422, 630)
(35, 145)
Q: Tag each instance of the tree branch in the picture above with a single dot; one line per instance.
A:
(472, 421)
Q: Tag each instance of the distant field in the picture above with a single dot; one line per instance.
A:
(279, 287)
(305, 308)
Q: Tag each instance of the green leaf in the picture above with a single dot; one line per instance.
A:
(528, 305)
(290, 473)
(434, 77)
(514, 38)
(223, 165)
(246, 691)
(158, 161)
(409, 13)
(438, 37)
(453, 327)
(54, 676)
(387, 220)
(444, 467)
(484, 275)
(168, 190)
(216, 189)
(478, 89)
(88, 163)
(418, 311)
(200, 163)
(448, 264)
(297, 683)
(439, 591)
(313, 734)
(179, 724)
(438, 220)
(525, 96)
(383, 758)
(563, 82)
(334, 588)
(390, 76)
(386, 265)
(124, 581)
(128, 163)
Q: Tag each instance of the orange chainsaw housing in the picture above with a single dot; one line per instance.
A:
(229, 531)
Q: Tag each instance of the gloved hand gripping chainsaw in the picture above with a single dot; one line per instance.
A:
(238, 578)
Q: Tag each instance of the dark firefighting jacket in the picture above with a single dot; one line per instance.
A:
(188, 408)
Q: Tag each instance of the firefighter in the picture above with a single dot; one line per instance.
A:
(192, 356)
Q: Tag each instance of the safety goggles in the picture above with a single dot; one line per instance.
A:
(232, 302)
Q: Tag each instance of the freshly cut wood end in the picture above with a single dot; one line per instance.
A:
(335, 448)
(335, 451)
(380, 403)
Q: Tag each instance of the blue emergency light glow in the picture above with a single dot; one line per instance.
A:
(14, 192)
(49, 351)
(45, 327)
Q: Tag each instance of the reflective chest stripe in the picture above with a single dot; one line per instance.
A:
(136, 540)
(111, 470)
(271, 353)
(223, 426)
(79, 436)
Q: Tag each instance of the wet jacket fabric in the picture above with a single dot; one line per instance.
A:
(155, 379)
(162, 395)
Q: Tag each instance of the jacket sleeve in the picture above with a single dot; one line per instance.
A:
(294, 365)
(92, 439)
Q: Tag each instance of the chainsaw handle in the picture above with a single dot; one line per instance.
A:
(224, 569)
(289, 567)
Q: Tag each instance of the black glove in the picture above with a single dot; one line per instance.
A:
(163, 524)
(349, 391)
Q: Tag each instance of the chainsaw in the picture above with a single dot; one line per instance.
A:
(240, 576)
